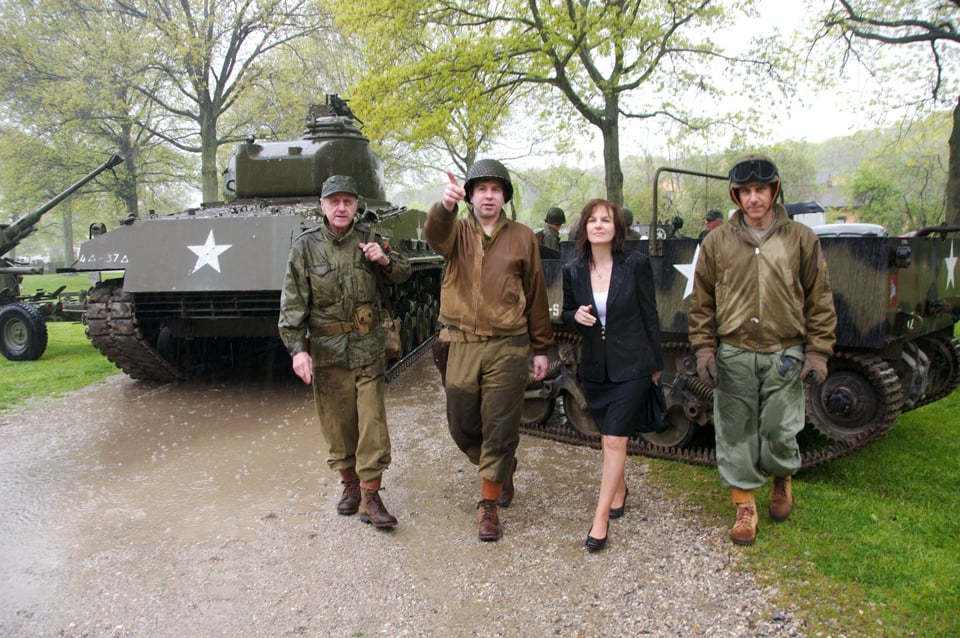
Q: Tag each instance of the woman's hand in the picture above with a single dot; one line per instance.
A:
(583, 316)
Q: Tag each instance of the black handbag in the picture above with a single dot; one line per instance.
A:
(656, 420)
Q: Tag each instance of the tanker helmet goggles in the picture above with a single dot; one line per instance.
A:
(753, 168)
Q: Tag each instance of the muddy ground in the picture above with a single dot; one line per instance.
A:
(207, 509)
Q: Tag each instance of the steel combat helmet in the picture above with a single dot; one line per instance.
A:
(489, 169)
(555, 216)
(753, 169)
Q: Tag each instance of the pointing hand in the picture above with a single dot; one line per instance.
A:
(453, 194)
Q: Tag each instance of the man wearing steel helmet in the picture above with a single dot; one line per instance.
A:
(493, 305)
(330, 294)
(549, 236)
(762, 323)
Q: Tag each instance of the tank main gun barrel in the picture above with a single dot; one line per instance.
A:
(20, 229)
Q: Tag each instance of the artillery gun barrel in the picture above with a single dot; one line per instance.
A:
(21, 228)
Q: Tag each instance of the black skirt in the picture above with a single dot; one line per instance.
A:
(618, 409)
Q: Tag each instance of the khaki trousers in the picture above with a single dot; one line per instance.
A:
(353, 419)
(758, 411)
(485, 384)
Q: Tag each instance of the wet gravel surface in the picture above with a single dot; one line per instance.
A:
(136, 510)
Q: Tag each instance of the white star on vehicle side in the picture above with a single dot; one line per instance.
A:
(951, 263)
(687, 271)
(208, 254)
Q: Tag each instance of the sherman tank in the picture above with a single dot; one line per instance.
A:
(897, 301)
(198, 290)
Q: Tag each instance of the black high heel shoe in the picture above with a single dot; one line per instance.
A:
(595, 544)
(617, 512)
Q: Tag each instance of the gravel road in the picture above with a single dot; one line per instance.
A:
(207, 510)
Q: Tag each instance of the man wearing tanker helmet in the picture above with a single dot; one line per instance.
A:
(329, 323)
(762, 323)
(493, 306)
(553, 222)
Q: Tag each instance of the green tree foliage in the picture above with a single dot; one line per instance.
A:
(206, 55)
(904, 190)
(451, 67)
(926, 35)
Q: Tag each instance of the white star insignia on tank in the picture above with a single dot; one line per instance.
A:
(208, 254)
(687, 271)
(951, 263)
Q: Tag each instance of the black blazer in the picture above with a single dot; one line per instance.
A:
(632, 345)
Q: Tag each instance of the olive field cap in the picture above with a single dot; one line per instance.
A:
(489, 169)
(555, 216)
(339, 184)
(753, 168)
(714, 215)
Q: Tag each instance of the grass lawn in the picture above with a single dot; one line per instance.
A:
(871, 548)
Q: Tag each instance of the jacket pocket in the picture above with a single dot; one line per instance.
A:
(324, 285)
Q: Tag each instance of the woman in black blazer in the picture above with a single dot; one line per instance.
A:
(609, 298)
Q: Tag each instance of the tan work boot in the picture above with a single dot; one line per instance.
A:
(744, 531)
(373, 511)
(506, 492)
(350, 500)
(781, 498)
(488, 526)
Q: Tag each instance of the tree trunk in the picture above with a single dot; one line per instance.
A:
(613, 173)
(210, 183)
(68, 254)
(130, 178)
(952, 213)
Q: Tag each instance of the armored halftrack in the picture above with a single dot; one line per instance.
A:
(199, 289)
(897, 302)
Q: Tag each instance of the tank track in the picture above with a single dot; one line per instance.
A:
(405, 362)
(883, 378)
(112, 327)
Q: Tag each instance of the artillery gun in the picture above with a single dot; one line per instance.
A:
(23, 328)
(198, 290)
(897, 301)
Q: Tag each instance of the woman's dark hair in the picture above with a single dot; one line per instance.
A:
(619, 227)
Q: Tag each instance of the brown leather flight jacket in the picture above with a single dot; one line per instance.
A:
(762, 296)
(493, 286)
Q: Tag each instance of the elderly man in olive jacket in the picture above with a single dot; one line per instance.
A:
(330, 324)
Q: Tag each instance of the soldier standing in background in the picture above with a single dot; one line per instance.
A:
(549, 236)
(330, 324)
(493, 305)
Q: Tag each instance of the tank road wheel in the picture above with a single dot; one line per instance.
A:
(23, 332)
(944, 367)
(579, 417)
(409, 333)
(679, 432)
(536, 409)
(860, 398)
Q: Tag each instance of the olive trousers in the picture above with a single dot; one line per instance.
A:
(758, 411)
(485, 383)
(353, 419)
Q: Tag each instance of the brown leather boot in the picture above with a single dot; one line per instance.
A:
(781, 498)
(506, 492)
(744, 531)
(489, 522)
(350, 500)
(372, 510)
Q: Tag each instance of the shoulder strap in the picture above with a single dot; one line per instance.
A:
(384, 297)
